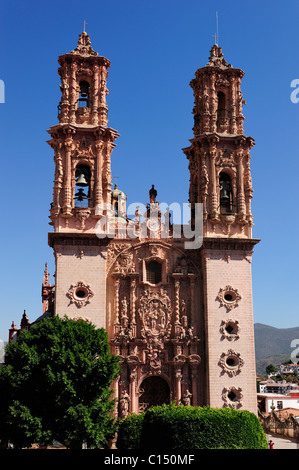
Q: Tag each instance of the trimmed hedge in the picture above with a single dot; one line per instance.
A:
(129, 432)
(188, 427)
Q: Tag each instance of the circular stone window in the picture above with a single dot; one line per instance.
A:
(229, 297)
(81, 293)
(231, 362)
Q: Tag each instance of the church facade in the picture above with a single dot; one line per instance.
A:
(178, 314)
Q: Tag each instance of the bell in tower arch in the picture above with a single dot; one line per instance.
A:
(226, 200)
(83, 101)
(82, 190)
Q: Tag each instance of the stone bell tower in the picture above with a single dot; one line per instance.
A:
(82, 144)
(220, 179)
(219, 158)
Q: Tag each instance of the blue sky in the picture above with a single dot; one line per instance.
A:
(155, 47)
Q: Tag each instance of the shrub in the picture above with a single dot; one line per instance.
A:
(181, 427)
(129, 432)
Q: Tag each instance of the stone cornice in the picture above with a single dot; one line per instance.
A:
(232, 244)
(76, 239)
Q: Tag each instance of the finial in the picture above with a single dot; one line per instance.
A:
(84, 48)
(46, 276)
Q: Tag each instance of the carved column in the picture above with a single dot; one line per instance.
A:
(132, 386)
(73, 93)
(214, 199)
(107, 173)
(247, 185)
(178, 384)
(58, 183)
(194, 386)
(99, 163)
(213, 99)
(233, 106)
(67, 205)
(194, 361)
(116, 305)
(115, 395)
(239, 117)
(133, 305)
(95, 96)
(241, 195)
(103, 92)
(177, 300)
(192, 278)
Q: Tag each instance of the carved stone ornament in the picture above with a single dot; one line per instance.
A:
(155, 314)
(114, 250)
(125, 264)
(228, 297)
(230, 329)
(232, 397)
(231, 363)
(84, 47)
(80, 294)
(82, 214)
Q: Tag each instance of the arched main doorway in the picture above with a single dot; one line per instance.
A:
(153, 391)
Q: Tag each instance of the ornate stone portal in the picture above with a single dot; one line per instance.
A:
(152, 325)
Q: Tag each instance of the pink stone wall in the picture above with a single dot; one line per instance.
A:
(220, 271)
(87, 264)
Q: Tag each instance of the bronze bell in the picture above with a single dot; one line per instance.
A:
(81, 181)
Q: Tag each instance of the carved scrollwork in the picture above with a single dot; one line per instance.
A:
(230, 329)
(114, 250)
(125, 264)
(155, 314)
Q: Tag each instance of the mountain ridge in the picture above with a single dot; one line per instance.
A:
(273, 345)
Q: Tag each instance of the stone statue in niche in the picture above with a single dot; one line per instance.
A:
(124, 404)
(187, 398)
(124, 313)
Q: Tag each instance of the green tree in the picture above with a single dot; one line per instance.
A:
(271, 369)
(55, 384)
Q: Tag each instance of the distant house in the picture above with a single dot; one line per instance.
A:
(277, 401)
(288, 369)
(283, 387)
